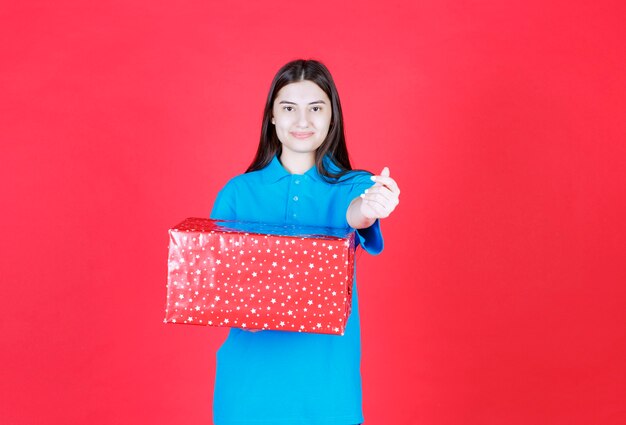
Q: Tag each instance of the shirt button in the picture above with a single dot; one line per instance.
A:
(295, 215)
(295, 198)
(297, 182)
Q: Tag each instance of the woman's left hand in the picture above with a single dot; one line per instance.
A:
(382, 198)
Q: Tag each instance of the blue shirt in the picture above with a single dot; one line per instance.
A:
(290, 378)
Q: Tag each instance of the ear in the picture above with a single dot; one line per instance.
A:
(273, 121)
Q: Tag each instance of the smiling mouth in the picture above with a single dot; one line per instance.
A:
(304, 135)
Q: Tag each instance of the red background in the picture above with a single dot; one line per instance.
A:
(500, 295)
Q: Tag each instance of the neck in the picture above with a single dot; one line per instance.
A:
(297, 163)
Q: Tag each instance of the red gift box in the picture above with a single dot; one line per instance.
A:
(256, 276)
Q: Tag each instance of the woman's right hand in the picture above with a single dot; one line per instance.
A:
(382, 198)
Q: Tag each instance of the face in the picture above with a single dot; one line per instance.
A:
(301, 114)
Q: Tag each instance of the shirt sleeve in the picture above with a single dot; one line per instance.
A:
(224, 207)
(370, 238)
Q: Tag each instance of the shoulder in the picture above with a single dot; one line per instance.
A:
(242, 180)
(236, 193)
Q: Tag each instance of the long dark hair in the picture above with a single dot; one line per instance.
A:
(335, 143)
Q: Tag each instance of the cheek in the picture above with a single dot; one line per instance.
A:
(282, 127)
(282, 120)
(323, 122)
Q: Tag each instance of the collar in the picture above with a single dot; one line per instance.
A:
(275, 171)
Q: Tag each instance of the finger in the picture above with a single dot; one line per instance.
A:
(382, 203)
(383, 173)
(388, 204)
(379, 209)
(374, 185)
(387, 182)
(382, 190)
(380, 194)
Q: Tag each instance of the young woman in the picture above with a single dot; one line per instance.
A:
(301, 175)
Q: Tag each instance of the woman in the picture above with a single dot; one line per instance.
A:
(301, 175)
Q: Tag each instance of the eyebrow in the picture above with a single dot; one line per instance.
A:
(293, 103)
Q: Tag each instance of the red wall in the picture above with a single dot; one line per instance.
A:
(500, 297)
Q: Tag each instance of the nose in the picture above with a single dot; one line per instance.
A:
(303, 119)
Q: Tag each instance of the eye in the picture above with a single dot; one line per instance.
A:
(316, 108)
(288, 108)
